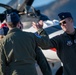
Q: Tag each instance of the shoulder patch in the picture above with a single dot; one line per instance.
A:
(37, 35)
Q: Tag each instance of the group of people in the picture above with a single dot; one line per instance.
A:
(20, 50)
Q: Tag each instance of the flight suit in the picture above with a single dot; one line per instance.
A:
(17, 50)
(66, 51)
(42, 62)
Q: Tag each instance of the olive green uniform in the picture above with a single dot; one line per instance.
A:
(17, 50)
(42, 62)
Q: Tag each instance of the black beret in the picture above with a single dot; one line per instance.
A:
(64, 15)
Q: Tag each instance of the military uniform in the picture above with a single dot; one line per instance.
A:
(66, 47)
(66, 51)
(42, 62)
(19, 53)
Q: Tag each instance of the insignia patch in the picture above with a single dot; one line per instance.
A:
(63, 16)
(74, 40)
(37, 35)
(69, 43)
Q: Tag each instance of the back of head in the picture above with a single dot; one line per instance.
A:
(12, 19)
(64, 15)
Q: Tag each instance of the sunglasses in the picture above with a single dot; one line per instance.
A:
(64, 22)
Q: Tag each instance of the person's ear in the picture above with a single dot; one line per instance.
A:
(71, 20)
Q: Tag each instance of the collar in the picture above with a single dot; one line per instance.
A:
(70, 37)
(14, 30)
(69, 34)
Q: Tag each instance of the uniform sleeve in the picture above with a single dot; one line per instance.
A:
(45, 43)
(55, 42)
(42, 39)
(42, 62)
(2, 61)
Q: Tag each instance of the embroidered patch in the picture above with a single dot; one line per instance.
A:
(69, 43)
(37, 35)
(74, 40)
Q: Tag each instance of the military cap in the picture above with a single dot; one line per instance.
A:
(12, 18)
(64, 15)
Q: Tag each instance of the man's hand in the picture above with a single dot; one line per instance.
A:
(38, 25)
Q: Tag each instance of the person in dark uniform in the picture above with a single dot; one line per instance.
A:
(65, 43)
(40, 58)
(17, 49)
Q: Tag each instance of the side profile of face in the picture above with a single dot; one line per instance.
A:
(67, 25)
